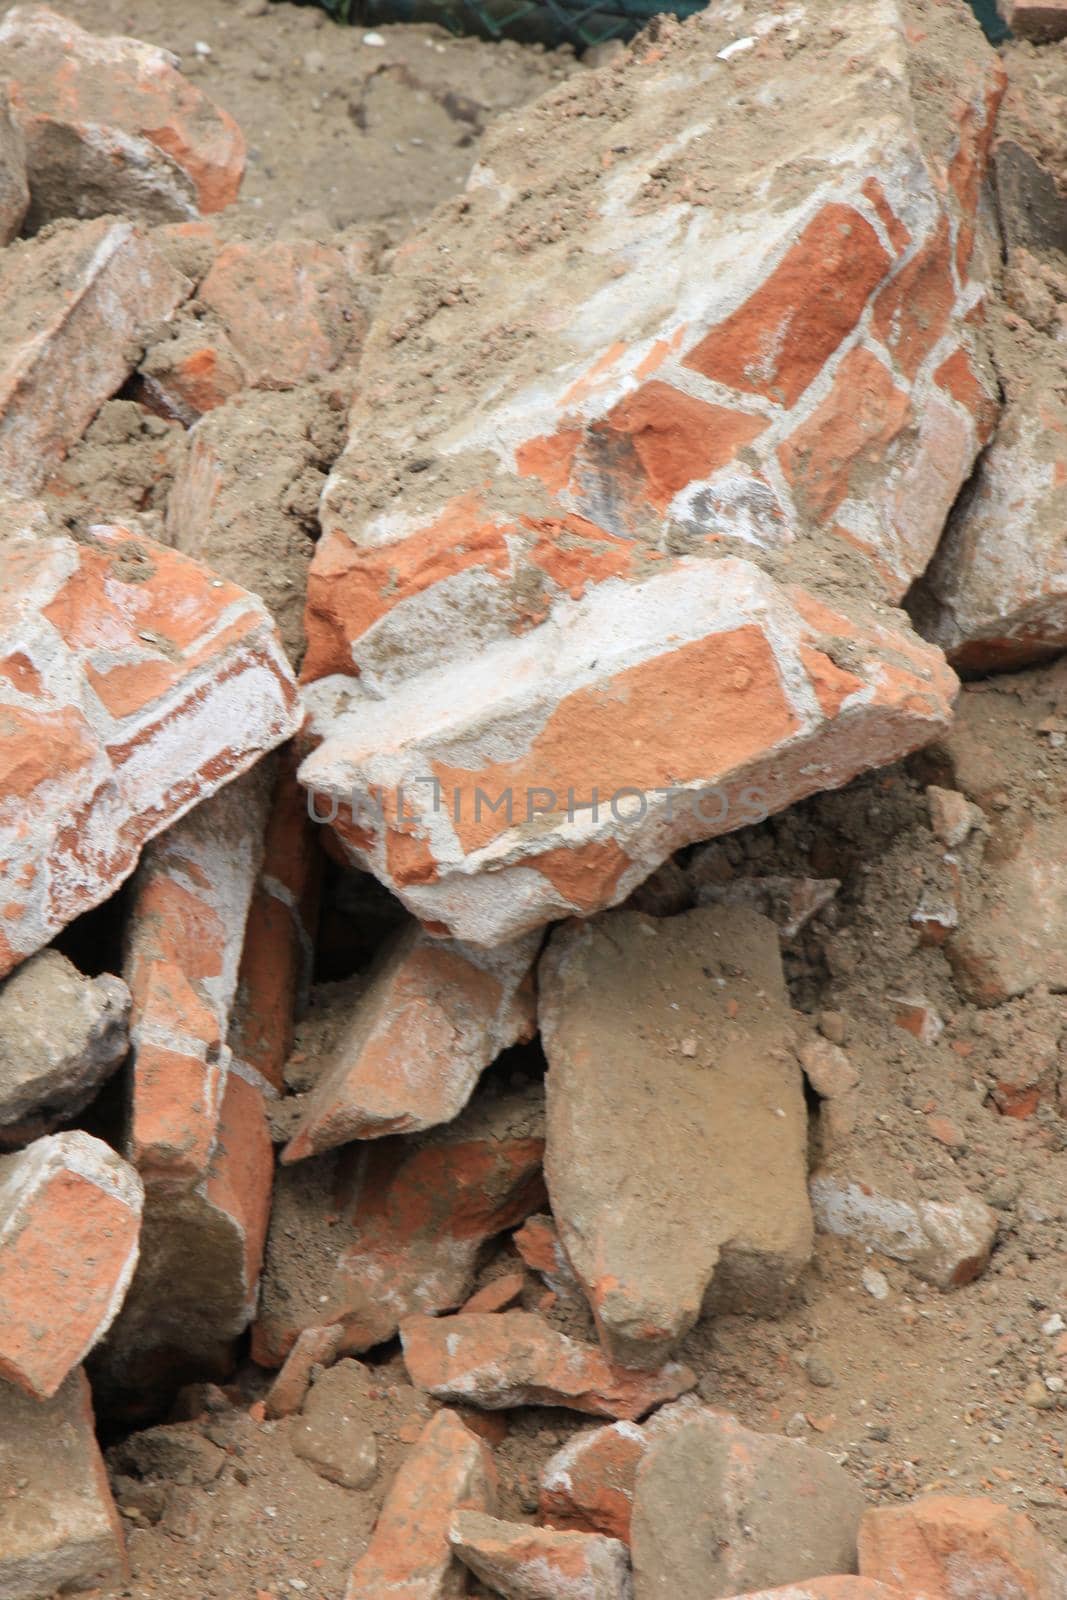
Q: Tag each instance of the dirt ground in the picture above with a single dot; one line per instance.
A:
(916, 1390)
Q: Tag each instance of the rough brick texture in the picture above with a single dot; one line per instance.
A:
(582, 487)
(409, 1554)
(275, 970)
(514, 1358)
(197, 1127)
(14, 189)
(110, 124)
(399, 1224)
(70, 1216)
(430, 1020)
(59, 1531)
(524, 1563)
(133, 684)
(999, 581)
(1040, 20)
(73, 308)
(689, 1014)
(953, 1547)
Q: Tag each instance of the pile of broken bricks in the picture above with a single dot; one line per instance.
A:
(647, 441)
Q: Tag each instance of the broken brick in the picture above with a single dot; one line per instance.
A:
(73, 306)
(156, 683)
(409, 1553)
(527, 1563)
(513, 1358)
(720, 1510)
(59, 1531)
(431, 1019)
(314, 1347)
(588, 1485)
(767, 406)
(111, 125)
(290, 309)
(949, 1547)
(70, 1216)
(729, 1174)
(400, 1224)
(14, 190)
(946, 1242)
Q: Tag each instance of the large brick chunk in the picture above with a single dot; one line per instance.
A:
(530, 492)
(719, 1510)
(59, 1529)
(449, 1469)
(946, 1242)
(998, 584)
(526, 1563)
(513, 1358)
(61, 1036)
(73, 308)
(70, 1216)
(715, 1198)
(398, 1224)
(950, 1547)
(197, 1129)
(138, 683)
(428, 1023)
(111, 125)
(735, 705)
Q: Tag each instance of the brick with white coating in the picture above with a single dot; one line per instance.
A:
(70, 1218)
(133, 684)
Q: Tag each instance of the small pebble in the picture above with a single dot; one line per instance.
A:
(1055, 1324)
(876, 1283)
(375, 40)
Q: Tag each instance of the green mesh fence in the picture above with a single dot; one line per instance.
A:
(552, 22)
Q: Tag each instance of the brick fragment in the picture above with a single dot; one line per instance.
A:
(70, 1216)
(14, 189)
(73, 307)
(946, 1242)
(290, 310)
(526, 1563)
(60, 1531)
(400, 1224)
(111, 125)
(714, 1212)
(995, 597)
(499, 1295)
(1040, 20)
(432, 1019)
(719, 1510)
(607, 801)
(61, 1036)
(276, 959)
(514, 1358)
(573, 494)
(949, 1547)
(588, 1485)
(313, 1347)
(409, 1554)
(150, 684)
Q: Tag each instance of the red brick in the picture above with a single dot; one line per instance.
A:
(70, 1215)
(514, 1559)
(953, 1547)
(514, 1358)
(431, 1019)
(409, 1554)
(122, 98)
(784, 333)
